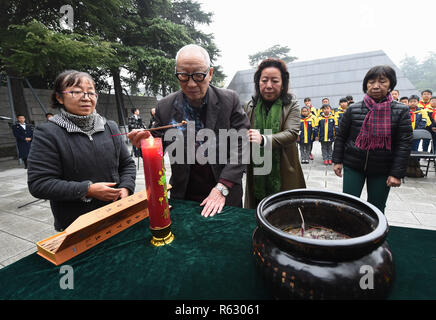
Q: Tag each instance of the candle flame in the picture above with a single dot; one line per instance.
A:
(150, 140)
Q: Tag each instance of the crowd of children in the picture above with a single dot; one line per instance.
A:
(322, 124)
(422, 116)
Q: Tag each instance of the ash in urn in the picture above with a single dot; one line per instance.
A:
(315, 232)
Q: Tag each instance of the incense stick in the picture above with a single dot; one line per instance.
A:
(302, 224)
(157, 128)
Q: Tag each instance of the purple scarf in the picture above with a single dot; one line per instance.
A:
(376, 129)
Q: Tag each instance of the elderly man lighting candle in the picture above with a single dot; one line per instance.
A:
(213, 185)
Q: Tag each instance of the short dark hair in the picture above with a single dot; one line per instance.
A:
(20, 115)
(325, 99)
(343, 100)
(404, 98)
(349, 98)
(396, 90)
(133, 110)
(326, 106)
(48, 114)
(305, 107)
(413, 97)
(427, 90)
(434, 97)
(307, 99)
(281, 65)
(378, 71)
(67, 79)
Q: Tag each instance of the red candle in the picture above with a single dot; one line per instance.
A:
(156, 189)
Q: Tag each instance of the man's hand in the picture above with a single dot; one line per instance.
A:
(137, 135)
(393, 182)
(337, 168)
(124, 192)
(214, 203)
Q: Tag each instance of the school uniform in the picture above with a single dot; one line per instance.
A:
(420, 120)
(326, 128)
(338, 113)
(431, 112)
(315, 112)
(307, 125)
(424, 105)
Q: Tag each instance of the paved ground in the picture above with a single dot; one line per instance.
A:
(24, 222)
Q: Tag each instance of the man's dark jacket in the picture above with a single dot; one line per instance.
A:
(224, 111)
(21, 135)
(61, 164)
(380, 161)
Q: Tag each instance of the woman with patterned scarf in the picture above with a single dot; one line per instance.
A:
(374, 140)
(76, 161)
(275, 109)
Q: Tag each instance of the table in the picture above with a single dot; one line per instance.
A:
(210, 259)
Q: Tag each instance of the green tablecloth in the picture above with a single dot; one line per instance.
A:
(209, 259)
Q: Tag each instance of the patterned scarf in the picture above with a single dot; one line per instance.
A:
(194, 113)
(265, 185)
(83, 124)
(376, 129)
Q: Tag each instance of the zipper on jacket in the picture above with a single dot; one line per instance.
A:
(366, 161)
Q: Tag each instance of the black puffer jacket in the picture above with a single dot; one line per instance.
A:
(381, 161)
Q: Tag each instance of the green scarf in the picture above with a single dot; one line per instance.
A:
(265, 185)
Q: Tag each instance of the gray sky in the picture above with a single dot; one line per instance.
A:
(315, 29)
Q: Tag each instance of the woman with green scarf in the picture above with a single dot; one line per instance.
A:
(274, 109)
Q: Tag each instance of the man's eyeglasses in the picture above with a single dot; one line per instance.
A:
(197, 77)
(80, 94)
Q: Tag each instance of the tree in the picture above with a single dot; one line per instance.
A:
(109, 37)
(34, 44)
(275, 51)
(162, 31)
(421, 74)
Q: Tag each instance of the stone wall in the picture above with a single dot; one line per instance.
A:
(106, 106)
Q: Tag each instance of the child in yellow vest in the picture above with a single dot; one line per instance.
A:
(305, 138)
(339, 112)
(424, 103)
(418, 117)
(325, 131)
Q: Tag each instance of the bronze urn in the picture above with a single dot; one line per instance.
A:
(357, 266)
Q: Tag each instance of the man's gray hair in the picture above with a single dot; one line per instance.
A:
(198, 48)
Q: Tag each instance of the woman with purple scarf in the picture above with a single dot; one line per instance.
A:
(374, 140)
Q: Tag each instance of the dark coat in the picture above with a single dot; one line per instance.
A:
(291, 174)
(223, 112)
(134, 123)
(61, 164)
(380, 161)
(21, 135)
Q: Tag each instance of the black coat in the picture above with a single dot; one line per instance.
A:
(380, 161)
(21, 135)
(61, 164)
(224, 111)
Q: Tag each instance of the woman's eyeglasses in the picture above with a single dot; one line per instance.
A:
(197, 77)
(80, 94)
